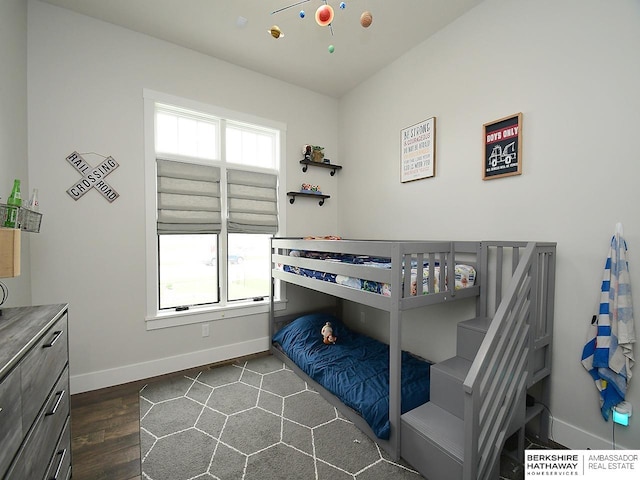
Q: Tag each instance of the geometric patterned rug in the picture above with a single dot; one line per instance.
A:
(253, 420)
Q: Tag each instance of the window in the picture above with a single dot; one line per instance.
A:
(212, 198)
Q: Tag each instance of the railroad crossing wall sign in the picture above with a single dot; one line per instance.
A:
(92, 177)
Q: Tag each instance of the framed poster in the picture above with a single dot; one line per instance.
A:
(418, 151)
(502, 156)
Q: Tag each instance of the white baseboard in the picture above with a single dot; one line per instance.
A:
(577, 439)
(129, 373)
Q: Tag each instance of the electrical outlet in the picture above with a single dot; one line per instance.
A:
(205, 329)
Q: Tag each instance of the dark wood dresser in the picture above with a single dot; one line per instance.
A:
(35, 436)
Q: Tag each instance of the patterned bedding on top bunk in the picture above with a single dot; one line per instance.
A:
(465, 275)
(355, 368)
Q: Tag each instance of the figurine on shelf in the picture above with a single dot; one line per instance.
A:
(318, 154)
(308, 188)
(306, 151)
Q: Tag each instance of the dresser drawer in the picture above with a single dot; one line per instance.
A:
(11, 432)
(37, 453)
(41, 368)
(60, 466)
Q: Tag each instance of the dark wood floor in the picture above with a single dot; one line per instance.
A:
(105, 429)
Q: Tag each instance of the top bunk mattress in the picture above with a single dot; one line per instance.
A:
(465, 275)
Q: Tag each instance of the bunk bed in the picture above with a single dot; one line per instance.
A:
(423, 257)
(386, 275)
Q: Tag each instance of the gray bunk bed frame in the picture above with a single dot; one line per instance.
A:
(514, 295)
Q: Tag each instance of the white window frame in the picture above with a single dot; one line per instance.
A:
(154, 317)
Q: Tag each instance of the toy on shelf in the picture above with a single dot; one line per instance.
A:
(317, 155)
(308, 188)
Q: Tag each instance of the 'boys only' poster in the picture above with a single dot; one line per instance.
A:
(502, 147)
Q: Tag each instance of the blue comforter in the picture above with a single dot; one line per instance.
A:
(355, 369)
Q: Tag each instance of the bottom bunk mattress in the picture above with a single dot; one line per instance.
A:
(355, 368)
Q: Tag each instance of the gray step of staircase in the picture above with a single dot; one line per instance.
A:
(432, 441)
(446, 384)
(469, 336)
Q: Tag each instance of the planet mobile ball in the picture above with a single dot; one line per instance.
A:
(324, 15)
(343, 5)
(276, 32)
(331, 49)
(366, 19)
(302, 14)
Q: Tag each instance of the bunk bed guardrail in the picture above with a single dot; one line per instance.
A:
(424, 256)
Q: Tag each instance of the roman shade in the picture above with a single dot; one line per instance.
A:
(252, 200)
(188, 198)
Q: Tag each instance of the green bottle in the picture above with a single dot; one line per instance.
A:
(13, 203)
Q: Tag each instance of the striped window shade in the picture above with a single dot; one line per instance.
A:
(188, 198)
(252, 202)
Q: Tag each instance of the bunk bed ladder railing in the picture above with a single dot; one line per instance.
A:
(496, 383)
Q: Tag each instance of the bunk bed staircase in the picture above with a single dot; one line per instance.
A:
(478, 397)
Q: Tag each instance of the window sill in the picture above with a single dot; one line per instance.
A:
(210, 314)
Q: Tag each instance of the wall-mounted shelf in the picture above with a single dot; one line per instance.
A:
(293, 196)
(305, 165)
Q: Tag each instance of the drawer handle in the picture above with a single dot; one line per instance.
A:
(60, 396)
(54, 338)
(62, 454)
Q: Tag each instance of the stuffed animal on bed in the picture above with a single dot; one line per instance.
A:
(327, 334)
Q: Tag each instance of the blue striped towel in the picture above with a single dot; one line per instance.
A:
(608, 353)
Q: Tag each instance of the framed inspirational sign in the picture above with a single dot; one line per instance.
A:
(418, 151)
(502, 140)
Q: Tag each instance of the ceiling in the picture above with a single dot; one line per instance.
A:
(301, 56)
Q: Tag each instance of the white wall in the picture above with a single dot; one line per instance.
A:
(571, 67)
(13, 127)
(86, 81)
